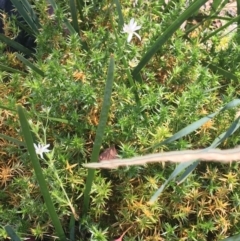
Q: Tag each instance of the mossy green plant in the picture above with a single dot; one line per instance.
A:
(184, 80)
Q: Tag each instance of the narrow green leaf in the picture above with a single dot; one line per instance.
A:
(185, 131)
(72, 228)
(231, 104)
(233, 238)
(120, 15)
(30, 10)
(190, 166)
(73, 10)
(67, 23)
(7, 108)
(214, 33)
(166, 35)
(238, 23)
(12, 70)
(55, 119)
(65, 121)
(13, 140)
(26, 28)
(220, 139)
(223, 72)
(38, 172)
(217, 5)
(99, 133)
(69, 27)
(15, 45)
(215, 88)
(30, 65)
(80, 6)
(175, 173)
(187, 172)
(195, 125)
(12, 233)
(238, 13)
(26, 11)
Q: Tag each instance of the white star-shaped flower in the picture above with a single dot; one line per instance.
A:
(131, 29)
(135, 3)
(40, 149)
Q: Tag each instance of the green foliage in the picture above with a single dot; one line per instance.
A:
(99, 135)
(175, 89)
(38, 172)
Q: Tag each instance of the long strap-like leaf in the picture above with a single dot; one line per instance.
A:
(30, 65)
(26, 11)
(166, 35)
(12, 233)
(100, 132)
(15, 45)
(39, 175)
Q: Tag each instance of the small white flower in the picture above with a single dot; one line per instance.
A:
(135, 3)
(40, 149)
(133, 63)
(46, 109)
(131, 29)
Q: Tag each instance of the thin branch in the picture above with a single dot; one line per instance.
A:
(216, 155)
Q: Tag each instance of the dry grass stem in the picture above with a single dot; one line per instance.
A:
(216, 155)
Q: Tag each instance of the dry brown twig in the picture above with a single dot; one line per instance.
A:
(216, 155)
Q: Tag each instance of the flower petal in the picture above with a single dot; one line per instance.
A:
(137, 35)
(131, 22)
(125, 28)
(45, 148)
(40, 149)
(130, 35)
(133, 26)
(137, 28)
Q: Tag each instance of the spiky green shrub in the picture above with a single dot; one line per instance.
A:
(163, 83)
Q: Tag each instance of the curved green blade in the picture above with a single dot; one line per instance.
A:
(166, 35)
(9, 69)
(12, 233)
(13, 140)
(221, 71)
(73, 10)
(234, 126)
(174, 174)
(193, 164)
(100, 132)
(30, 65)
(67, 23)
(28, 14)
(195, 125)
(120, 15)
(233, 238)
(186, 130)
(15, 45)
(38, 172)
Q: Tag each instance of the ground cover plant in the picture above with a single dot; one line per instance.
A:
(112, 79)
